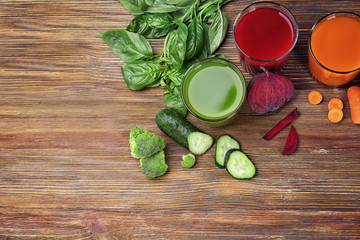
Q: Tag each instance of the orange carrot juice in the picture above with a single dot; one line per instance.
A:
(334, 49)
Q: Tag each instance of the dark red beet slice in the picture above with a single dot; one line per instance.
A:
(283, 123)
(291, 142)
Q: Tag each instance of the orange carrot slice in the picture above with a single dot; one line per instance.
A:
(315, 97)
(335, 103)
(354, 103)
(335, 115)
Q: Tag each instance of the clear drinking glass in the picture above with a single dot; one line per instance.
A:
(334, 49)
(213, 90)
(265, 34)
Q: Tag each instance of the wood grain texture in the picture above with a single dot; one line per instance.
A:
(65, 165)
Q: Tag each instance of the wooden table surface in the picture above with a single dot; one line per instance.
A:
(65, 165)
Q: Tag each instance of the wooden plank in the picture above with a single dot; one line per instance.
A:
(66, 170)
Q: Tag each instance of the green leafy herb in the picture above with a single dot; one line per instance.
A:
(218, 30)
(128, 46)
(172, 99)
(195, 39)
(142, 74)
(152, 25)
(177, 46)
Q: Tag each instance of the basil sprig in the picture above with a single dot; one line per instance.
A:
(193, 30)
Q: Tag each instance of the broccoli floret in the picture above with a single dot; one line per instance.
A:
(144, 143)
(188, 160)
(155, 165)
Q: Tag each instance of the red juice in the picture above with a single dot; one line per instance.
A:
(265, 37)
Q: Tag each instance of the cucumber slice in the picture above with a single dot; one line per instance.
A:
(223, 144)
(183, 132)
(239, 165)
(199, 142)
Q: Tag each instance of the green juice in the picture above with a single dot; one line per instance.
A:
(214, 89)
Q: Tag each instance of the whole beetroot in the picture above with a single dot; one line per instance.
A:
(269, 91)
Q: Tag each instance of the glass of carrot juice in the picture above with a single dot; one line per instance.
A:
(265, 33)
(334, 49)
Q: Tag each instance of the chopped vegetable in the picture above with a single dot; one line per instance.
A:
(154, 166)
(144, 143)
(335, 115)
(183, 132)
(223, 144)
(188, 160)
(315, 97)
(291, 142)
(239, 165)
(269, 91)
(283, 123)
(354, 103)
(199, 142)
(335, 103)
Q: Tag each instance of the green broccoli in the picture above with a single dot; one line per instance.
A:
(144, 143)
(155, 165)
(188, 160)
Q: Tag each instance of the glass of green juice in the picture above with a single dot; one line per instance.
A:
(213, 90)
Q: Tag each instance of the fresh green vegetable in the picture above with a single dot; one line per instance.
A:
(199, 142)
(194, 29)
(223, 144)
(195, 39)
(218, 30)
(137, 7)
(177, 46)
(139, 75)
(144, 143)
(154, 165)
(152, 25)
(129, 47)
(239, 165)
(188, 160)
(183, 132)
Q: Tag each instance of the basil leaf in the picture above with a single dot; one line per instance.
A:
(218, 56)
(218, 30)
(138, 25)
(209, 14)
(174, 77)
(168, 6)
(128, 46)
(152, 25)
(177, 46)
(173, 100)
(142, 74)
(204, 53)
(134, 7)
(195, 39)
(149, 2)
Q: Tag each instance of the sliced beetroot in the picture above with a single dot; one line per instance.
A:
(269, 91)
(283, 123)
(291, 142)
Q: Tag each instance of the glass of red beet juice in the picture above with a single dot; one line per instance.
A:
(265, 33)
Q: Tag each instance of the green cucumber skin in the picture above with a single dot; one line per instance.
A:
(175, 126)
(227, 157)
(216, 162)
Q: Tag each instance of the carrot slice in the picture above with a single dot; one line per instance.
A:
(291, 142)
(283, 123)
(335, 103)
(335, 115)
(354, 103)
(315, 97)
